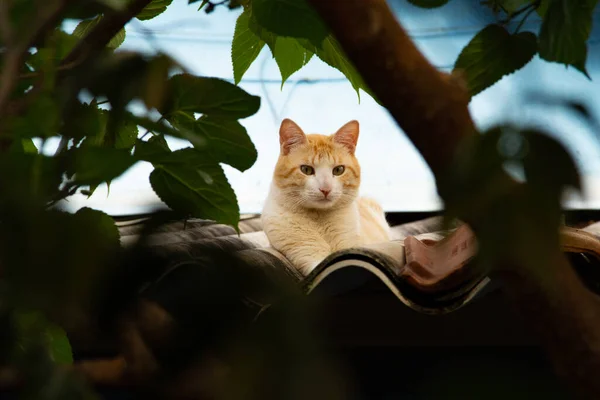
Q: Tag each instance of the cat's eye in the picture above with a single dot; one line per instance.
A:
(339, 170)
(307, 169)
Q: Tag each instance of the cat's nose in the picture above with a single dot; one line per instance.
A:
(325, 192)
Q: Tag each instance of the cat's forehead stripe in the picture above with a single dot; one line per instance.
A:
(322, 148)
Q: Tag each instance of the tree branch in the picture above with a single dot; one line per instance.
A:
(92, 43)
(47, 16)
(106, 29)
(430, 106)
(565, 317)
(5, 25)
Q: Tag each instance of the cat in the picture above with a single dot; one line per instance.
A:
(313, 207)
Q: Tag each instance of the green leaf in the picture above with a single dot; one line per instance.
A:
(295, 18)
(210, 96)
(127, 133)
(33, 328)
(543, 7)
(204, 2)
(227, 140)
(155, 146)
(160, 127)
(84, 120)
(87, 9)
(511, 6)
(23, 146)
(192, 183)
(30, 176)
(92, 123)
(85, 26)
(428, 3)
(95, 165)
(290, 56)
(155, 8)
(58, 45)
(60, 348)
(117, 40)
(54, 261)
(157, 81)
(121, 77)
(159, 141)
(100, 225)
(264, 34)
(547, 154)
(245, 46)
(492, 54)
(332, 54)
(41, 119)
(564, 32)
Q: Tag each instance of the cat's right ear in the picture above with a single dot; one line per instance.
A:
(290, 135)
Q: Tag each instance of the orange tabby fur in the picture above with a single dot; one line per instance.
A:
(308, 216)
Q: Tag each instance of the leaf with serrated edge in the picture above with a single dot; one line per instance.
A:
(191, 183)
(564, 32)
(95, 165)
(492, 54)
(84, 120)
(245, 47)
(155, 8)
(96, 120)
(293, 18)
(210, 96)
(156, 145)
(160, 127)
(264, 34)
(58, 44)
(85, 26)
(290, 56)
(127, 133)
(332, 54)
(227, 140)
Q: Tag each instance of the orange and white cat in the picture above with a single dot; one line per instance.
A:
(313, 208)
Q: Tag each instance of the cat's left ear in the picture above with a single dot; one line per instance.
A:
(347, 136)
(290, 135)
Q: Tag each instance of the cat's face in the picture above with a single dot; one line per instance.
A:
(317, 171)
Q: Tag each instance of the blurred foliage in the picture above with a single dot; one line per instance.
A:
(517, 224)
(75, 89)
(493, 53)
(78, 88)
(509, 183)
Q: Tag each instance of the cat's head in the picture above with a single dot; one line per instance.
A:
(317, 171)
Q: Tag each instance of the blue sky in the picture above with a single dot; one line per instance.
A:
(393, 172)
